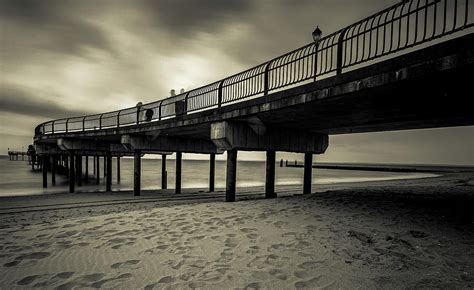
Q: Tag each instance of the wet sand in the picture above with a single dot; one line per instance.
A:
(391, 234)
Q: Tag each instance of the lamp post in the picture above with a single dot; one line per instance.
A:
(316, 37)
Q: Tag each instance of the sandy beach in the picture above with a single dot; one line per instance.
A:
(392, 234)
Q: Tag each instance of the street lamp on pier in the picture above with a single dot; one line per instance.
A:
(317, 33)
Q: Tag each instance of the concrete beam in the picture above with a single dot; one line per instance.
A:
(239, 135)
(54, 149)
(161, 145)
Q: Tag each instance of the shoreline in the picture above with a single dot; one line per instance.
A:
(80, 198)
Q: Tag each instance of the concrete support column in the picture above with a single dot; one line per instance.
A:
(45, 171)
(54, 161)
(164, 173)
(72, 172)
(108, 180)
(97, 170)
(270, 175)
(105, 166)
(93, 165)
(118, 169)
(231, 175)
(79, 170)
(179, 156)
(308, 172)
(212, 171)
(86, 173)
(137, 155)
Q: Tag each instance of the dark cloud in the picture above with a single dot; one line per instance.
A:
(51, 26)
(184, 17)
(19, 101)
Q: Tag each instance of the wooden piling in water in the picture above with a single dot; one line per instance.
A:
(118, 169)
(164, 173)
(212, 171)
(108, 180)
(137, 155)
(54, 161)
(86, 173)
(45, 171)
(97, 170)
(72, 173)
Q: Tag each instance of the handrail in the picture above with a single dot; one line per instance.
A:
(399, 27)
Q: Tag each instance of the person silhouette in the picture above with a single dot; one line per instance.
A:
(172, 93)
(181, 91)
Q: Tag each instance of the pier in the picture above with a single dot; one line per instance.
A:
(385, 72)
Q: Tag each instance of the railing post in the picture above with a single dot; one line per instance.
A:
(266, 78)
(67, 121)
(138, 114)
(316, 48)
(159, 111)
(219, 94)
(52, 127)
(340, 48)
(186, 103)
(118, 118)
(100, 122)
(84, 124)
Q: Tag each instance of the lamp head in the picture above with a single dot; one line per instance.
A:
(317, 34)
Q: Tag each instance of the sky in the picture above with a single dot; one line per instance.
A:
(63, 58)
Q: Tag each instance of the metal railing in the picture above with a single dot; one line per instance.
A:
(399, 27)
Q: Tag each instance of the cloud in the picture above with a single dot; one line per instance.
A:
(17, 101)
(51, 26)
(186, 17)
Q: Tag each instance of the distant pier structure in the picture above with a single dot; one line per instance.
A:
(408, 66)
(17, 155)
(30, 155)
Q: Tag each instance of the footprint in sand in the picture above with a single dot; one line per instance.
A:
(254, 285)
(280, 224)
(279, 274)
(27, 280)
(248, 230)
(127, 264)
(31, 256)
(231, 243)
(253, 236)
(313, 283)
(45, 281)
(117, 243)
(110, 281)
(253, 250)
(82, 281)
(66, 234)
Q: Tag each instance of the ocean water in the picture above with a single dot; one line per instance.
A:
(17, 178)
